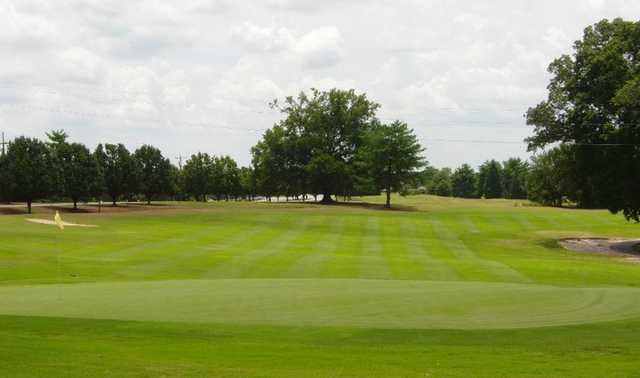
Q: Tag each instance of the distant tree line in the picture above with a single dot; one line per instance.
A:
(58, 170)
(492, 180)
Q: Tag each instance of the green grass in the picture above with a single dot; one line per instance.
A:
(446, 288)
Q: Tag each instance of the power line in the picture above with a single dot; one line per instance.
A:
(494, 141)
(134, 119)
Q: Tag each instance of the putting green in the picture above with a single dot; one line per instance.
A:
(327, 302)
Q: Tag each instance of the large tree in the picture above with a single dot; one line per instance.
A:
(464, 182)
(327, 127)
(154, 172)
(392, 155)
(593, 105)
(27, 169)
(118, 170)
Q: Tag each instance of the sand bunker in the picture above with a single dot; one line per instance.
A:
(50, 222)
(630, 249)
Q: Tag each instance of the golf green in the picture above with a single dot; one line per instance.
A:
(314, 302)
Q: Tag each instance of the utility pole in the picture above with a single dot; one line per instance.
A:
(179, 161)
(3, 144)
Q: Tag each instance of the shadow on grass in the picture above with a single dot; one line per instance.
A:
(350, 204)
(13, 210)
(549, 244)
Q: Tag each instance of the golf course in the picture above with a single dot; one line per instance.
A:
(438, 287)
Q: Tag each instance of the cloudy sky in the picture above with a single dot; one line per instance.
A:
(197, 75)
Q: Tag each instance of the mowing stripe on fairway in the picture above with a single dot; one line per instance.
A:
(273, 265)
(396, 251)
(522, 219)
(420, 251)
(183, 254)
(373, 264)
(469, 224)
(327, 302)
(324, 244)
(491, 269)
(241, 263)
(343, 260)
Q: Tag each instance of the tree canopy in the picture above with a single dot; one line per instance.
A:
(313, 149)
(154, 172)
(28, 170)
(391, 155)
(593, 106)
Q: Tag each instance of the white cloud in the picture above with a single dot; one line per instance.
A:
(201, 72)
(320, 48)
(263, 39)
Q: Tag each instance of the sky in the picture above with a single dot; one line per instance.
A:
(198, 75)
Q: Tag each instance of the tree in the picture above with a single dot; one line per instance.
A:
(247, 183)
(464, 182)
(229, 177)
(327, 128)
(392, 155)
(268, 158)
(57, 143)
(118, 170)
(549, 179)
(27, 168)
(154, 171)
(514, 178)
(198, 176)
(176, 179)
(490, 180)
(593, 106)
(441, 184)
(79, 172)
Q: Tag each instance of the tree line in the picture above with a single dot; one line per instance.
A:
(329, 144)
(492, 180)
(57, 169)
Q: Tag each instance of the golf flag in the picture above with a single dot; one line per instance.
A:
(58, 221)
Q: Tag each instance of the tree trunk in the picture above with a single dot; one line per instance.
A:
(75, 204)
(326, 199)
(388, 204)
(29, 207)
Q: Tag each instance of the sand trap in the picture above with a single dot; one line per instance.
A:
(630, 249)
(50, 222)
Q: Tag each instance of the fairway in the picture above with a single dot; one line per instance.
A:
(439, 287)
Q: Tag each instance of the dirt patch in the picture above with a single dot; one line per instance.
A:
(66, 224)
(627, 248)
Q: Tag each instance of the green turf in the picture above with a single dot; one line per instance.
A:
(445, 287)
